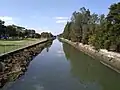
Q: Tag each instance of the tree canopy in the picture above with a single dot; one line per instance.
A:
(98, 30)
(15, 31)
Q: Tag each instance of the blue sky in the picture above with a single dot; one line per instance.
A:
(47, 15)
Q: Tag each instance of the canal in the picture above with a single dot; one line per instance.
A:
(62, 67)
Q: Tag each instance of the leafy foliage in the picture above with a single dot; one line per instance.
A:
(16, 32)
(46, 35)
(94, 29)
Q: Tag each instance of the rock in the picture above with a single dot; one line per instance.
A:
(24, 69)
(2, 66)
(17, 62)
(3, 81)
(9, 65)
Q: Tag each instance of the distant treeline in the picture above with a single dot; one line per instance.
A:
(18, 32)
(103, 32)
(46, 35)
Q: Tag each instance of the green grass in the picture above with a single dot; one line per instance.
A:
(16, 42)
(6, 45)
(4, 49)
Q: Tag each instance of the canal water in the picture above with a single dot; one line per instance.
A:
(62, 67)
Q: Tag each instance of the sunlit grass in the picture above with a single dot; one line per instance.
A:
(6, 45)
(4, 49)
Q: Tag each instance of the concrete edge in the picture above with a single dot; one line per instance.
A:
(112, 63)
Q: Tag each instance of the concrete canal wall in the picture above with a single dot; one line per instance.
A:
(109, 59)
(13, 64)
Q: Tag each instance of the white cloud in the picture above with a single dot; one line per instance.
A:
(5, 18)
(43, 29)
(61, 21)
(59, 18)
(8, 20)
(59, 53)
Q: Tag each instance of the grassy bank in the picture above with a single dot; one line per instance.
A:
(6, 45)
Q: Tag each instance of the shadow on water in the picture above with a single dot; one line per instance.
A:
(21, 61)
(88, 70)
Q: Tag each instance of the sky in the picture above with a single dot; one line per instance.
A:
(47, 15)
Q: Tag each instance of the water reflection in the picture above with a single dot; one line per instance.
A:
(88, 70)
(21, 62)
(48, 45)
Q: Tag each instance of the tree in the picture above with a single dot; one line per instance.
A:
(67, 30)
(113, 19)
(46, 35)
(11, 30)
(97, 30)
(2, 28)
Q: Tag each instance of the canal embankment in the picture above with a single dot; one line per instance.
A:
(13, 64)
(10, 45)
(109, 59)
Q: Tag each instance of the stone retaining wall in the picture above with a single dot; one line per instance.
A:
(111, 62)
(15, 63)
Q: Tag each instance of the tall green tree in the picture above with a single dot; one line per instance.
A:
(98, 30)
